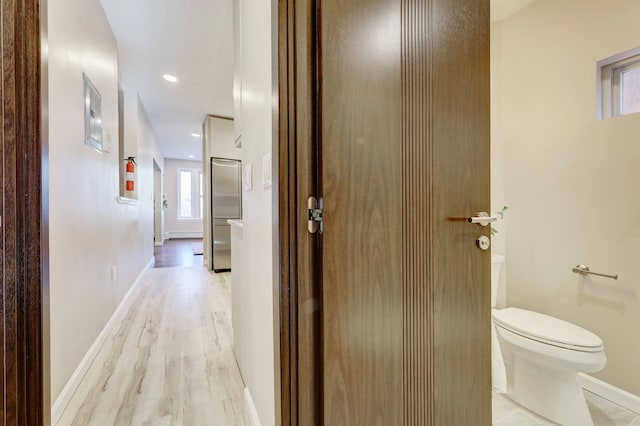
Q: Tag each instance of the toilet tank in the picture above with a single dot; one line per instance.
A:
(497, 261)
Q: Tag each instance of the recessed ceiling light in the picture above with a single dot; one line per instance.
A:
(192, 156)
(171, 78)
(196, 135)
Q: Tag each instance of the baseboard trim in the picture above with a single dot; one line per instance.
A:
(70, 388)
(158, 244)
(611, 393)
(251, 408)
(181, 235)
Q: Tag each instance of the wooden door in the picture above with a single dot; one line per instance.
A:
(21, 238)
(384, 113)
(404, 141)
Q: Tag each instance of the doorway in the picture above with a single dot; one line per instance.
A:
(158, 206)
(435, 305)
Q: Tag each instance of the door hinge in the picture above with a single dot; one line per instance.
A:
(316, 224)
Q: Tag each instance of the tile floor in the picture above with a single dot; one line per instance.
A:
(603, 413)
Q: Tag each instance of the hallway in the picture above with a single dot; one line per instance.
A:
(169, 361)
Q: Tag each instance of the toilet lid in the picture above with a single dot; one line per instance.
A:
(546, 329)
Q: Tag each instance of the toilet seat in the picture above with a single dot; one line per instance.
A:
(547, 330)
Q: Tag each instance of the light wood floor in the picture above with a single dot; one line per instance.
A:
(170, 361)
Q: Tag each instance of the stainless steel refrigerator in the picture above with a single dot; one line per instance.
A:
(226, 203)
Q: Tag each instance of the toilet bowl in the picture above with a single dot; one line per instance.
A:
(542, 357)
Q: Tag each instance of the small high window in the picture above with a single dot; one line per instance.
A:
(629, 88)
(619, 84)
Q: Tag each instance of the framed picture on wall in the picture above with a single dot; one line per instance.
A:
(92, 115)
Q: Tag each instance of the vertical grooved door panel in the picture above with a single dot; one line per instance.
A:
(417, 144)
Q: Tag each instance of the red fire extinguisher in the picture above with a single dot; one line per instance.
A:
(130, 169)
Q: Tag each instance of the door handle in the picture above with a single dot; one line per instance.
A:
(482, 219)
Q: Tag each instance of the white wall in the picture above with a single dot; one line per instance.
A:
(173, 226)
(90, 231)
(218, 141)
(570, 179)
(261, 372)
(497, 148)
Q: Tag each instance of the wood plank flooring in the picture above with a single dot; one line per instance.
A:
(176, 253)
(170, 361)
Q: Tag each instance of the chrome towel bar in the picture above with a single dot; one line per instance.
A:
(584, 270)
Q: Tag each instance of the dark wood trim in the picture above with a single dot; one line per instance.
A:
(286, 217)
(23, 397)
(299, 251)
(287, 389)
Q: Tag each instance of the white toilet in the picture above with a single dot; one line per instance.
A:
(542, 357)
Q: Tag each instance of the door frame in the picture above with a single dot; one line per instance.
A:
(44, 227)
(25, 236)
(297, 259)
(290, 21)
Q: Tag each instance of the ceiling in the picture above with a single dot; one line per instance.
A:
(194, 43)
(501, 9)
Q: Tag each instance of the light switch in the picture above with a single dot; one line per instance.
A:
(266, 171)
(247, 177)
